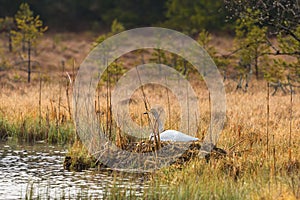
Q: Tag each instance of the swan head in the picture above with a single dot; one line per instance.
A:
(156, 116)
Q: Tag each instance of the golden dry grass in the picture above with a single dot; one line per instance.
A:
(270, 169)
(24, 101)
(246, 112)
(261, 164)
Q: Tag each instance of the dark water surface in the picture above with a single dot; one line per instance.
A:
(38, 172)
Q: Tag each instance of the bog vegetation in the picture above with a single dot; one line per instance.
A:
(261, 74)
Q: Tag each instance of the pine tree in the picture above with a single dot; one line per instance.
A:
(29, 29)
(7, 24)
(289, 45)
(204, 39)
(190, 16)
(116, 69)
(251, 40)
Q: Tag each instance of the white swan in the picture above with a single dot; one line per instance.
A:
(167, 135)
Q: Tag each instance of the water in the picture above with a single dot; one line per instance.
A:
(39, 170)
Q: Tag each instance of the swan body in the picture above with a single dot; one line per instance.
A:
(174, 136)
(167, 135)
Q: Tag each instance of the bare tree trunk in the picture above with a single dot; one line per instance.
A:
(184, 67)
(9, 42)
(290, 126)
(268, 116)
(40, 101)
(23, 43)
(29, 61)
(108, 128)
(256, 64)
(256, 70)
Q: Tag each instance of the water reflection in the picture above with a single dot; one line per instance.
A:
(39, 169)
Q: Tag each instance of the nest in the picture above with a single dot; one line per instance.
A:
(176, 154)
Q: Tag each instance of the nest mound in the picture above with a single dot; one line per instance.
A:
(188, 151)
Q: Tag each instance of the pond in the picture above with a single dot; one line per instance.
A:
(37, 171)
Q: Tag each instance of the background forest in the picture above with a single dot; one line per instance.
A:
(75, 15)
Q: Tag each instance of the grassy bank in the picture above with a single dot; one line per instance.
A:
(261, 136)
(32, 130)
(31, 113)
(232, 178)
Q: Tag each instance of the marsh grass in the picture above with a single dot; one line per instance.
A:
(31, 130)
(232, 178)
(261, 136)
(78, 158)
(29, 114)
(258, 165)
(216, 179)
(261, 163)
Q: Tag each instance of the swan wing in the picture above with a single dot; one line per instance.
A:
(176, 136)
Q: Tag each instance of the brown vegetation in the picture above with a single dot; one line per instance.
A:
(261, 134)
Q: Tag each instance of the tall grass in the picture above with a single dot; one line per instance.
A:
(263, 159)
(232, 178)
(261, 164)
(32, 130)
(32, 113)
